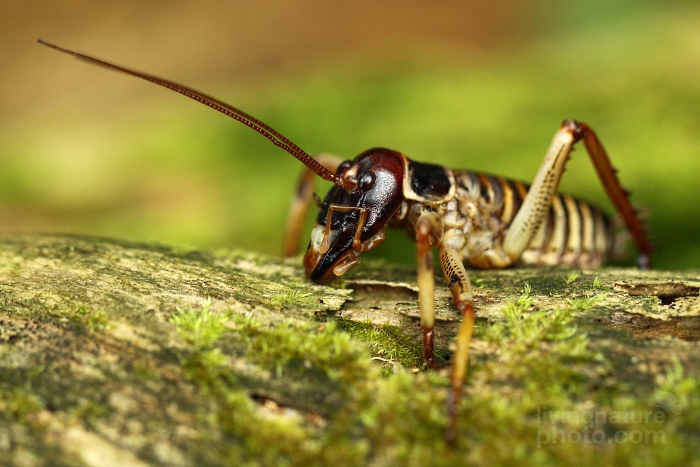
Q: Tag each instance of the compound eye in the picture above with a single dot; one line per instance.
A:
(343, 167)
(365, 180)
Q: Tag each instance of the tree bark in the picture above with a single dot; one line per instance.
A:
(118, 353)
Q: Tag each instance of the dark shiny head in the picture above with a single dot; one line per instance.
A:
(351, 221)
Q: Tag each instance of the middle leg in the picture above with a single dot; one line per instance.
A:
(462, 296)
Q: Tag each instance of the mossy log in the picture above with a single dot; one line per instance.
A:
(117, 353)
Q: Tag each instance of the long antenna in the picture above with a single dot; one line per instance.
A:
(275, 137)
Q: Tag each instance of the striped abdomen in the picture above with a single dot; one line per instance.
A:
(574, 233)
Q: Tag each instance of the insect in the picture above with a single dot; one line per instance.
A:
(486, 221)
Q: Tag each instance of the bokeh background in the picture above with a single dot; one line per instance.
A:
(480, 85)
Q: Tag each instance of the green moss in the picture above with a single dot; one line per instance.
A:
(573, 275)
(193, 369)
(290, 298)
(531, 327)
(534, 348)
(546, 284)
(598, 284)
(82, 317)
(389, 345)
(234, 432)
(315, 347)
(254, 436)
(200, 328)
(585, 303)
(402, 416)
(96, 321)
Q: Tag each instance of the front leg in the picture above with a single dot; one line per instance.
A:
(428, 233)
(301, 202)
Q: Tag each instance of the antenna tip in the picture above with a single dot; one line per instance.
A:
(55, 47)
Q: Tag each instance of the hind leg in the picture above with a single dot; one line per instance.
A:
(539, 198)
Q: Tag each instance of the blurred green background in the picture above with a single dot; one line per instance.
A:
(459, 83)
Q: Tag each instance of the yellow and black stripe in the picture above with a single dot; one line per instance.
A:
(574, 233)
